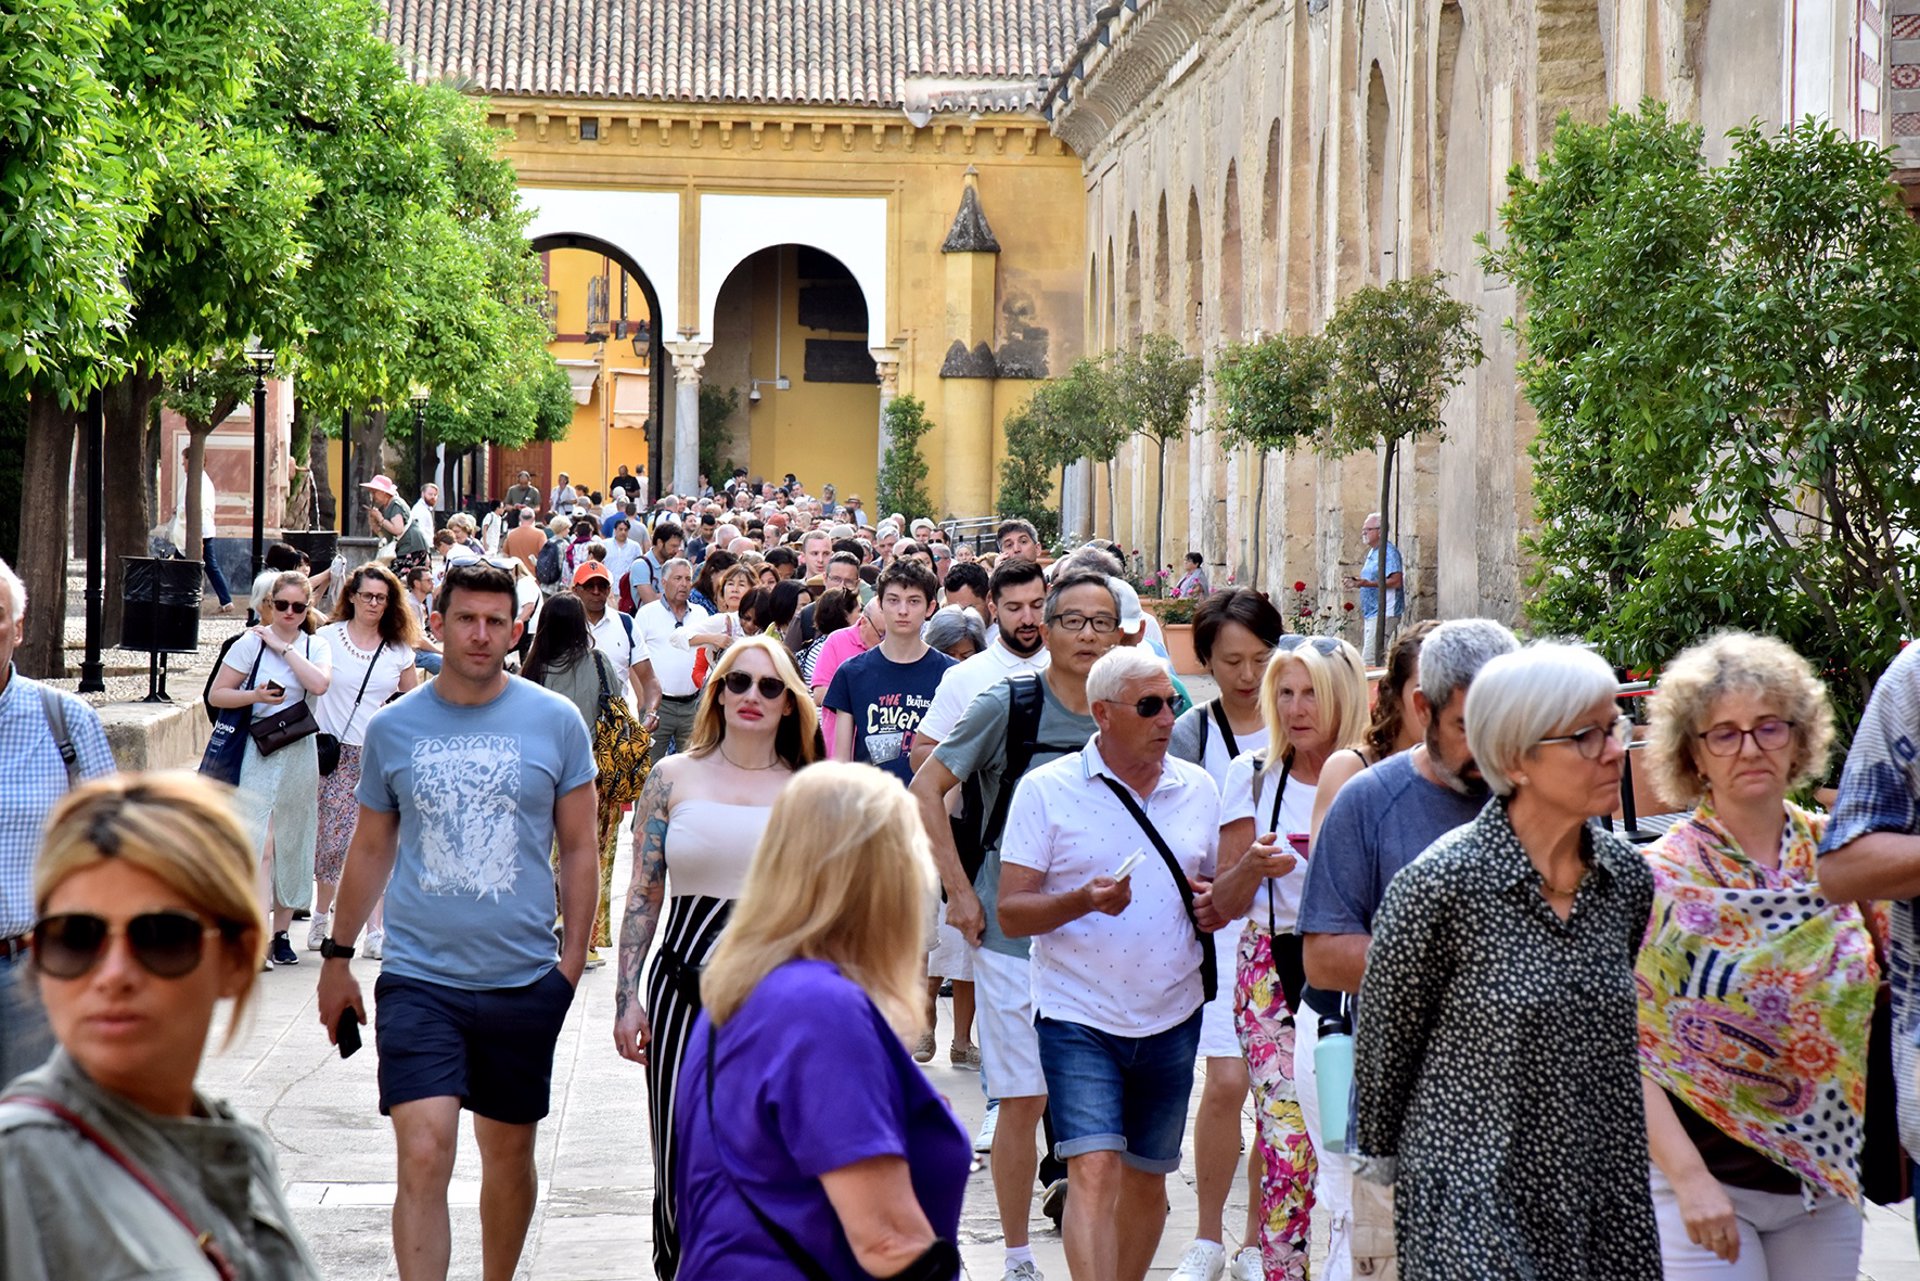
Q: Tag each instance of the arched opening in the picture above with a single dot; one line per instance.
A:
(1380, 204)
(1446, 61)
(1110, 304)
(603, 328)
(1162, 268)
(789, 384)
(1572, 58)
(1269, 306)
(1232, 280)
(1191, 324)
(1131, 335)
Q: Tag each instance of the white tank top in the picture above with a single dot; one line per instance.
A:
(710, 845)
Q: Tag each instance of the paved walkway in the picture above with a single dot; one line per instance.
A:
(337, 1156)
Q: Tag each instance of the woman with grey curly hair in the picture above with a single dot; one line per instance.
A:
(1756, 992)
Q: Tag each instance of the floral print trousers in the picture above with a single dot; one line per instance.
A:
(1265, 1025)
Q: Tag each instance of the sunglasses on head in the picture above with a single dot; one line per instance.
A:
(1327, 645)
(1146, 708)
(771, 687)
(167, 944)
(461, 556)
(294, 607)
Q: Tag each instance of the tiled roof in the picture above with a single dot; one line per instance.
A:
(932, 54)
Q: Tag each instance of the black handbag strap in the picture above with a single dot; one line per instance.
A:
(371, 664)
(1209, 964)
(1273, 820)
(789, 1246)
(1218, 711)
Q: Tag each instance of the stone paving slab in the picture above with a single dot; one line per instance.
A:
(592, 1222)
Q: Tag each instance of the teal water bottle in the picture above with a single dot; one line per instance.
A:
(1333, 1079)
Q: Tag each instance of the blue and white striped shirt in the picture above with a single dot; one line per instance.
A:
(35, 780)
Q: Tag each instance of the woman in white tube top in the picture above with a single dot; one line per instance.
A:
(695, 830)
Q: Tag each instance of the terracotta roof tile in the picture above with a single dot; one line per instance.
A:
(943, 55)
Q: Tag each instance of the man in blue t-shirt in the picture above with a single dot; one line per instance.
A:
(881, 695)
(1381, 618)
(1383, 819)
(465, 787)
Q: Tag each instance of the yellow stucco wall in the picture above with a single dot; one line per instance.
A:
(1030, 188)
(596, 444)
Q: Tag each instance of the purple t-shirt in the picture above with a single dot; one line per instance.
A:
(799, 1095)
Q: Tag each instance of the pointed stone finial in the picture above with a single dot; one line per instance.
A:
(970, 233)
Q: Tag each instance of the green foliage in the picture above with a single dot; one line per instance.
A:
(1155, 385)
(1399, 350)
(552, 404)
(1026, 474)
(717, 408)
(902, 484)
(1271, 394)
(1756, 387)
(205, 396)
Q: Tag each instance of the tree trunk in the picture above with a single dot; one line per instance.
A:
(297, 505)
(1257, 538)
(1160, 513)
(1378, 657)
(369, 433)
(129, 405)
(47, 474)
(1113, 502)
(321, 474)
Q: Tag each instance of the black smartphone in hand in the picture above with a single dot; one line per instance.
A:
(346, 1033)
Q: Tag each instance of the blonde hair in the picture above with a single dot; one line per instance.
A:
(796, 741)
(842, 874)
(178, 828)
(1727, 663)
(1339, 691)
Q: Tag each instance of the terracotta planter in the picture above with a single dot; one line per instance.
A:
(1179, 638)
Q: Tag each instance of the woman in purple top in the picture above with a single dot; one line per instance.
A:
(812, 1145)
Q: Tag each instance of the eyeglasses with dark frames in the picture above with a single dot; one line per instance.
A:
(771, 687)
(294, 607)
(1591, 742)
(167, 944)
(1077, 622)
(1146, 708)
(1769, 735)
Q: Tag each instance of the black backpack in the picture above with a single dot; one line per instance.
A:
(976, 829)
(546, 566)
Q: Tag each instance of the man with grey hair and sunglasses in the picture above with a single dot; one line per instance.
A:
(50, 741)
(1382, 820)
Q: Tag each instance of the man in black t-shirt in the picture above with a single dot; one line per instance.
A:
(882, 694)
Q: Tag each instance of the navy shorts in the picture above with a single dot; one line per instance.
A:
(1125, 1094)
(491, 1049)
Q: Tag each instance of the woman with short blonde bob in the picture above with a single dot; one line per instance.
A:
(146, 919)
(835, 1148)
(1313, 702)
(694, 831)
(1744, 1184)
(1496, 1067)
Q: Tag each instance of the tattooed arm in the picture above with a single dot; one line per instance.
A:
(645, 894)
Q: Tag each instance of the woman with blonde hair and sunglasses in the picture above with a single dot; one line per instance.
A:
(836, 1156)
(695, 827)
(1313, 702)
(111, 1163)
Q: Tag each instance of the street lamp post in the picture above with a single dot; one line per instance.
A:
(261, 358)
(93, 673)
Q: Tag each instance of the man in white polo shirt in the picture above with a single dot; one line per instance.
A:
(1018, 590)
(659, 621)
(1120, 967)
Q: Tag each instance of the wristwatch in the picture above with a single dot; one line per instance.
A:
(332, 951)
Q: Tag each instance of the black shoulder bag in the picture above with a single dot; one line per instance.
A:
(1209, 965)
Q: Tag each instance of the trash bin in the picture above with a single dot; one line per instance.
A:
(162, 605)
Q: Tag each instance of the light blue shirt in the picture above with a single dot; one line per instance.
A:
(471, 901)
(35, 780)
(1370, 596)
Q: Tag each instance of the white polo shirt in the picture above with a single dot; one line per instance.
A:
(672, 664)
(967, 680)
(1138, 973)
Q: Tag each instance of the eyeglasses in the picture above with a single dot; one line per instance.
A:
(168, 945)
(1101, 623)
(1592, 741)
(771, 687)
(1147, 708)
(294, 607)
(1726, 740)
(375, 599)
(1324, 645)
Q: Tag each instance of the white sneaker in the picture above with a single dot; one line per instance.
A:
(1203, 1261)
(1248, 1265)
(375, 943)
(317, 931)
(983, 1142)
(1025, 1271)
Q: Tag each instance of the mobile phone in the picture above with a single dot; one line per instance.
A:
(1125, 869)
(1300, 841)
(274, 687)
(346, 1033)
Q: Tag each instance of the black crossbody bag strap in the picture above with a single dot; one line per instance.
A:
(371, 664)
(1218, 711)
(1209, 964)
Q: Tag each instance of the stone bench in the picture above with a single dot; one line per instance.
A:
(151, 736)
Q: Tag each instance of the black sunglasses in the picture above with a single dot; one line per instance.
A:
(771, 687)
(1147, 708)
(294, 607)
(168, 945)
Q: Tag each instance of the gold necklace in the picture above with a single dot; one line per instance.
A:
(1556, 890)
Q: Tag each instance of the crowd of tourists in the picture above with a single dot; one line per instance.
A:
(1482, 1034)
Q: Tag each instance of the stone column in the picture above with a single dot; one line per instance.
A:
(886, 367)
(688, 357)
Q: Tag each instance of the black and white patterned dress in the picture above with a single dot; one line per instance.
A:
(1496, 1064)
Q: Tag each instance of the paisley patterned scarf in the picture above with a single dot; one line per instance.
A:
(1756, 995)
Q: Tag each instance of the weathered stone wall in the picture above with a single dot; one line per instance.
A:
(1248, 162)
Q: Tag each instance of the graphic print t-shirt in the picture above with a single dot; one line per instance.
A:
(471, 901)
(886, 700)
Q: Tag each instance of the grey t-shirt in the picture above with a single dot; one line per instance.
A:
(471, 901)
(978, 746)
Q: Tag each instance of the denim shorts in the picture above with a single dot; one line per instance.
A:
(491, 1049)
(1120, 1094)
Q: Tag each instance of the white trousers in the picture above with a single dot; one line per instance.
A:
(1780, 1238)
(1333, 1189)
